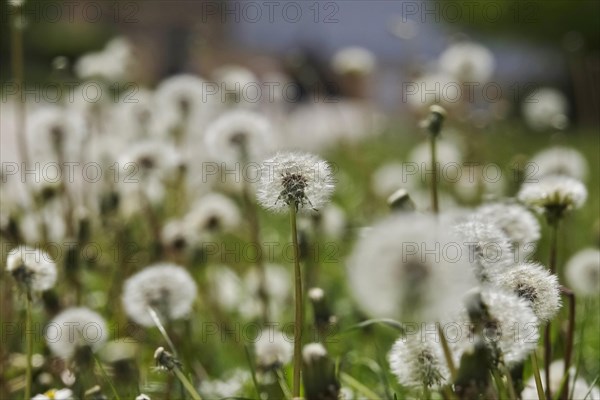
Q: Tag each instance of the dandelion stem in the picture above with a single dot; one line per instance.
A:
(548, 330)
(447, 353)
(299, 317)
(162, 329)
(570, 337)
(538, 378)
(186, 383)
(17, 71)
(29, 340)
(434, 175)
(359, 387)
(105, 376)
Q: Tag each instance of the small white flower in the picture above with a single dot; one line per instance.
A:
(166, 288)
(300, 180)
(353, 60)
(535, 284)
(74, 328)
(142, 396)
(230, 386)
(583, 272)
(468, 62)
(490, 250)
(409, 267)
(520, 225)
(239, 135)
(418, 361)
(560, 160)
(546, 108)
(53, 394)
(273, 349)
(32, 268)
(312, 352)
(553, 195)
(214, 212)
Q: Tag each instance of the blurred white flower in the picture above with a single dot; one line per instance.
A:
(520, 225)
(448, 155)
(75, 328)
(579, 388)
(468, 62)
(430, 89)
(560, 160)
(143, 396)
(213, 212)
(176, 234)
(418, 361)
(534, 284)
(227, 288)
(582, 272)
(474, 184)
(409, 267)
(237, 84)
(112, 63)
(278, 288)
(545, 109)
(490, 250)
(553, 194)
(166, 288)
(300, 180)
(353, 60)
(273, 349)
(240, 135)
(33, 269)
(312, 352)
(230, 386)
(333, 221)
(392, 176)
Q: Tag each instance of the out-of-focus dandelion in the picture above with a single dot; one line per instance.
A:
(560, 160)
(535, 284)
(582, 272)
(74, 329)
(546, 108)
(273, 350)
(468, 62)
(213, 212)
(410, 267)
(168, 362)
(168, 289)
(353, 60)
(320, 377)
(229, 386)
(520, 225)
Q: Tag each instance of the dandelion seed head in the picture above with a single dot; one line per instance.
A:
(166, 288)
(32, 268)
(214, 212)
(409, 267)
(560, 160)
(553, 195)
(468, 62)
(312, 352)
(273, 350)
(545, 109)
(418, 361)
(75, 328)
(518, 223)
(582, 272)
(300, 180)
(240, 135)
(353, 60)
(533, 283)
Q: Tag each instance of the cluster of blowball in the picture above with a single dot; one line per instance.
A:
(146, 236)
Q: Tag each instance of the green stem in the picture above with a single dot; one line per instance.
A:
(447, 353)
(350, 381)
(538, 378)
(570, 337)
(29, 341)
(299, 317)
(105, 376)
(548, 329)
(162, 330)
(434, 175)
(17, 71)
(186, 384)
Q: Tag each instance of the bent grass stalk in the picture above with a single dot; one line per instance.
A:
(538, 378)
(299, 316)
(162, 330)
(186, 383)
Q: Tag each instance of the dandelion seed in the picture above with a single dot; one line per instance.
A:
(554, 195)
(73, 329)
(535, 284)
(33, 269)
(545, 108)
(301, 180)
(411, 267)
(468, 62)
(239, 135)
(520, 225)
(417, 361)
(583, 272)
(273, 350)
(166, 288)
(560, 160)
